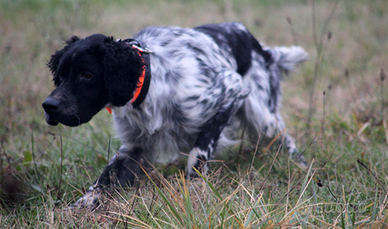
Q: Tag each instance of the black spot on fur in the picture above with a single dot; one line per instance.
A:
(240, 41)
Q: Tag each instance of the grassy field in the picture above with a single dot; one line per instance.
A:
(336, 107)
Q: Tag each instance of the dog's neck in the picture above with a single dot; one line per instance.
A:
(144, 80)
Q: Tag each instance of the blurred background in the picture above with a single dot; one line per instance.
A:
(335, 104)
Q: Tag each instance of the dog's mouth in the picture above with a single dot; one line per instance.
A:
(50, 120)
(72, 120)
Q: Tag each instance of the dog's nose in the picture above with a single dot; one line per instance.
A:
(50, 105)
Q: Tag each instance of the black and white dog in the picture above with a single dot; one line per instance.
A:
(172, 90)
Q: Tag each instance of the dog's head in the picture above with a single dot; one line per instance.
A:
(89, 74)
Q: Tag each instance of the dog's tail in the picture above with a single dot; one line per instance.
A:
(286, 58)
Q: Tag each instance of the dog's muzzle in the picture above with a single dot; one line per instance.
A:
(50, 105)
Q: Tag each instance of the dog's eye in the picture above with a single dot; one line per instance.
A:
(86, 76)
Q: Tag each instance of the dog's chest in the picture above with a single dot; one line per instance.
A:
(154, 131)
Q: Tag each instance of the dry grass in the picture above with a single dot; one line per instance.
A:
(344, 187)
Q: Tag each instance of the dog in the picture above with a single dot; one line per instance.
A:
(171, 90)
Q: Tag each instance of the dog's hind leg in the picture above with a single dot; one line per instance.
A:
(269, 122)
(287, 141)
(263, 103)
(222, 99)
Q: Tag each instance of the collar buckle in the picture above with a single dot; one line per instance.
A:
(135, 44)
(142, 50)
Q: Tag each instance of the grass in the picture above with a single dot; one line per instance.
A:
(44, 169)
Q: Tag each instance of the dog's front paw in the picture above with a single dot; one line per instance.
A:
(91, 200)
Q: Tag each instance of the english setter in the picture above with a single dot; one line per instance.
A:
(180, 91)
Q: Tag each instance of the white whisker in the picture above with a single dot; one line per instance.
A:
(79, 120)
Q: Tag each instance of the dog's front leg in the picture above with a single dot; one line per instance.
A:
(206, 144)
(220, 101)
(122, 170)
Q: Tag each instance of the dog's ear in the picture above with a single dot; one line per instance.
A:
(122, 69)
(56, 57)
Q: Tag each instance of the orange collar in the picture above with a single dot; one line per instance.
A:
(140, 82)
(145, 77)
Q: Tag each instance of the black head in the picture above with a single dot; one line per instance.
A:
(89, 74)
